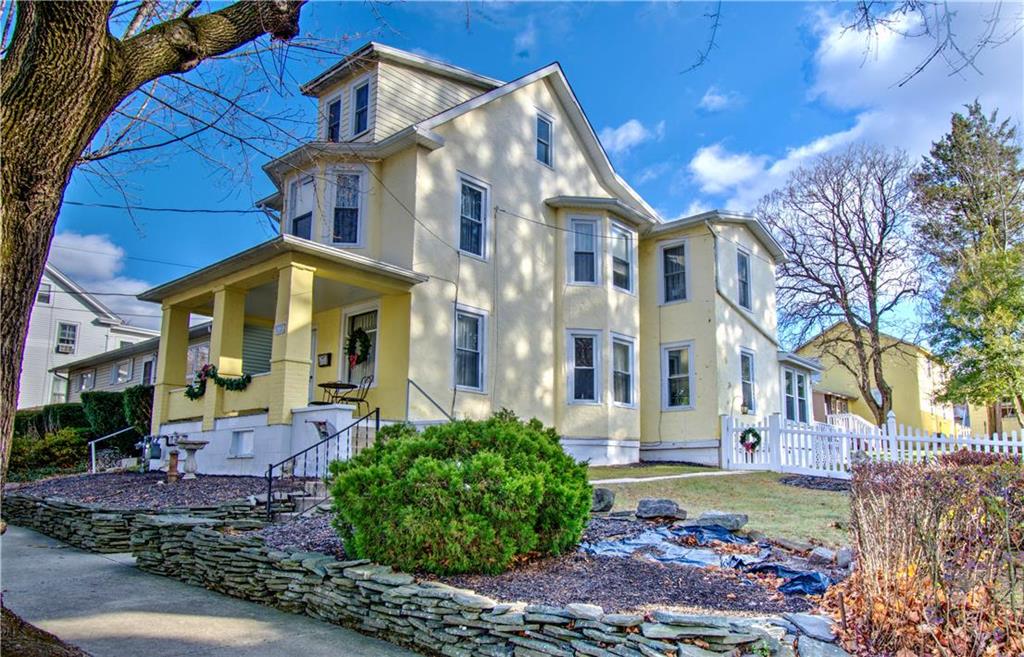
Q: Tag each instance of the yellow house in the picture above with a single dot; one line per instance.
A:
(476, 233)
(994, 418)
(911, 370)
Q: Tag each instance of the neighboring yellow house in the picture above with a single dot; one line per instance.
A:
(994, 418)
(478, 234)
(911, 370)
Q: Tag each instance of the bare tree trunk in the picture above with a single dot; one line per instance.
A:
(62, 76)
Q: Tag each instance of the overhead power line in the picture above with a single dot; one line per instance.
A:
(142, 208)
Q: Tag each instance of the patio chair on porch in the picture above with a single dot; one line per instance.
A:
(358, 396)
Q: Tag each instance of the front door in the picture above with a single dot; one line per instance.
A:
(312, 365)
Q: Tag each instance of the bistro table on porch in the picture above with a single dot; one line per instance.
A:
(335, 390)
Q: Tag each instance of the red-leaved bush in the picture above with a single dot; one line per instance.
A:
(939, 561)
(967, 457)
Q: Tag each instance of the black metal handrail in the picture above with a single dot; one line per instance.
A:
(312, 454)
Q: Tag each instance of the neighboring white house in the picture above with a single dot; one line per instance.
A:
(67, 324)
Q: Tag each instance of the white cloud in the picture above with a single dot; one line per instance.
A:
(95, 263)
(526, 39)
(853, 71)
(717, 170)
(652, 172)
(716, 100)
(630, 134)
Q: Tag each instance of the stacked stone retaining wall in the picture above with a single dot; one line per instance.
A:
(431, 617)
(98, 528)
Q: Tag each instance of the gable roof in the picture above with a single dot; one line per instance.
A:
(134, 349)
(752, 223)
(577, 117)
(838, 323)
(378, 51)
(104, 315)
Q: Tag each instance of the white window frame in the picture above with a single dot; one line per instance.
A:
(617, 227)
(354, 89)
(237, 437)
(115, 368)
(485, 213)
(691, 375)
(749, 353)
(629, 340)
(740, 254)
(152, 370)
(80, 380)
(571, 249)
(570, 362)
(189, 376)
(48, 293)
(807, 402)
(340, 99)
(547, 118)
(484, 318)
(359, 172)
(78, 332)
(662, 288)
(293, 186)
(348, 312)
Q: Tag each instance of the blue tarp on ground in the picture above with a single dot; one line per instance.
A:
(662, 544)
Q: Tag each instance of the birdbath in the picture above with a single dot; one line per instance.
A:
(191, 447)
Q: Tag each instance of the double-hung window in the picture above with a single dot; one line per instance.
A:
(472, 218)
(347, 209)
(543, 139)
(360, 109)
(743, 277)
(795, 390)
(622, 370)
(67, 338)
(85, 381)
(469, 350)
(584, 251)
(584, 358)
(149, 371)
(334, 120)
(197, 356)
(43, 295)
(121, 372)
(747, 380)
(677, 377)
(622, 258)
(673, 271)
(301, 208)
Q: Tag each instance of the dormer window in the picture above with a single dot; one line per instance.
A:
(360, 108)
(543, 139)
(334, 120)
(300, 210)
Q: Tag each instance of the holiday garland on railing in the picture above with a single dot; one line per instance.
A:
(357, 347)
(208, 372)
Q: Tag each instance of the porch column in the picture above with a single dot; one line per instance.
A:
(170, 362)
(225, 347)
(289, 356)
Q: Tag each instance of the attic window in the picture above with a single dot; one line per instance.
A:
(543, 140)
(334, 121)
(43, 296)
(361, 109)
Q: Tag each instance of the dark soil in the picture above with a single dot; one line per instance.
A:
(20, 639)
(816, 483)
(619, 584)
(312, 533)
(132, 490)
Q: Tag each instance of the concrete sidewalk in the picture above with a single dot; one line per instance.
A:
(104, 605)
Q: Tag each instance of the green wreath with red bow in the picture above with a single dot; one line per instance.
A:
(357, 347)
(750, 439)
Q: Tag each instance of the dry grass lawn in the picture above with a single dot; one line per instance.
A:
(596, 473)
(774, 508)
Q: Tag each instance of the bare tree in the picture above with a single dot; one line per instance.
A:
(71, 93)
(844, 222)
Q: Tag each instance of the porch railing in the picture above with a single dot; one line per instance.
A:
(311, 464)
(408, 389)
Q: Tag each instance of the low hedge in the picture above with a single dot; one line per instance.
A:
(138, 407)
(36, 423)
(63, 450)
(467, 496)
(105, 411)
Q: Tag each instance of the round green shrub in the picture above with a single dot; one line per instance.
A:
(467, 496)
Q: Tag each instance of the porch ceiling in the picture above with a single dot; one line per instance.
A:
(356, 276)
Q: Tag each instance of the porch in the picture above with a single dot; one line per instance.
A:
(304, 299)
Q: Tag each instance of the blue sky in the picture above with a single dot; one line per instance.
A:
(783, 83)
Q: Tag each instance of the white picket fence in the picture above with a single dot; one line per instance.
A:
(829, 451)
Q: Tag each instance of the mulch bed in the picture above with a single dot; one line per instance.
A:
(619, 584)
(311, 533)
(816, 483)
(23, 640)
(133, 490)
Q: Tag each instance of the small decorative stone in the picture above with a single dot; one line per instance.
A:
(793, 545)
(731, 521)
(808, 647)
(584, 611)
(659, 508)
(604, 499)
(821, 555)
(844, 556)
(817, 627)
